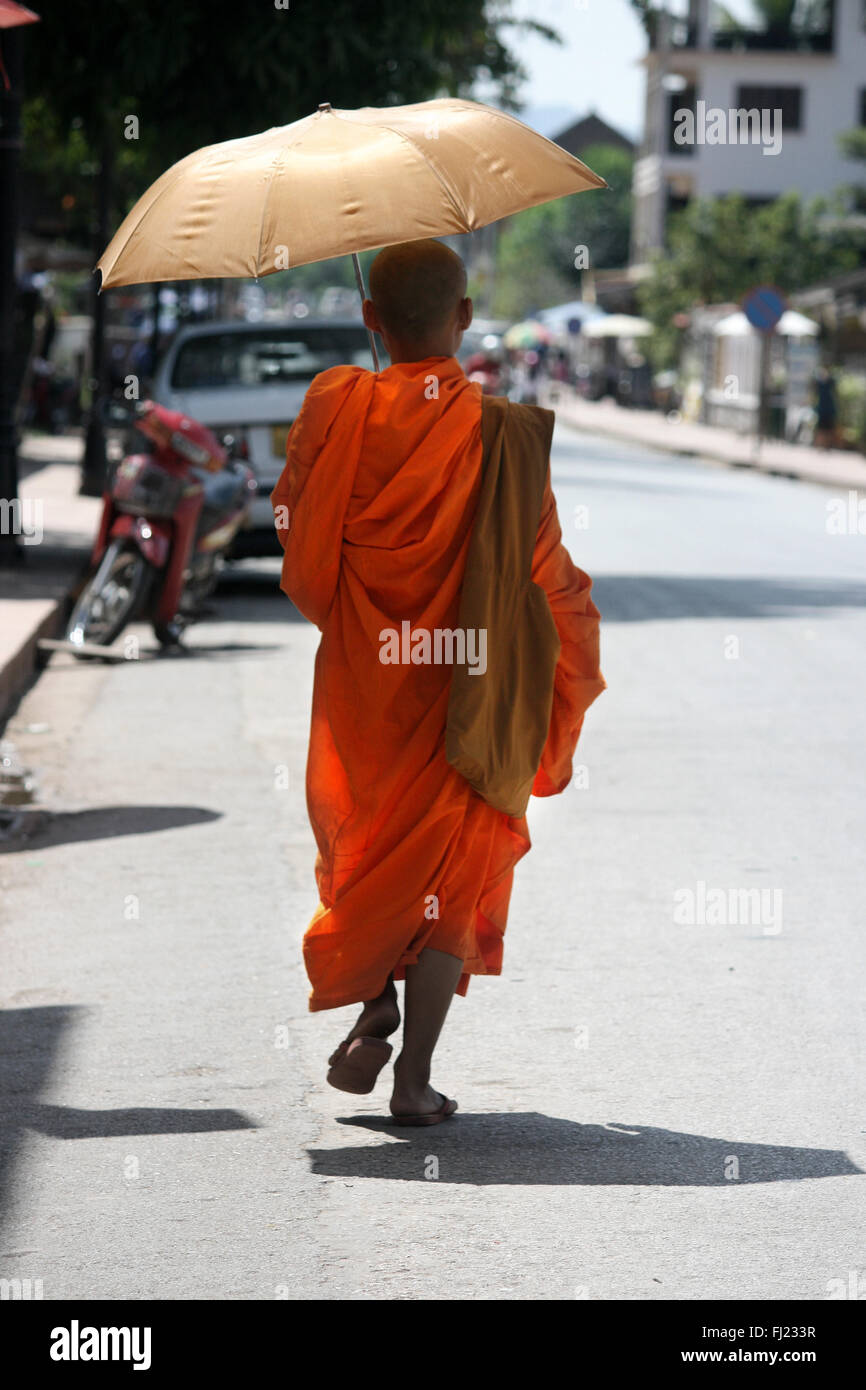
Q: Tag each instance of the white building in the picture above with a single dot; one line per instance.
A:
(710, 61)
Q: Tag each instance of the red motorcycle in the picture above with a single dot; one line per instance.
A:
(168, 519)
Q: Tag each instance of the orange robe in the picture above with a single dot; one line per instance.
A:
(379, 492)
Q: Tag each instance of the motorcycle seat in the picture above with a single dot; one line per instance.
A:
(222, 492)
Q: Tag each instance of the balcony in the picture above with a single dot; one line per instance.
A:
(773, 39)
(809, 28)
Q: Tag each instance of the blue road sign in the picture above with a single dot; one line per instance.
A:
(763, 306)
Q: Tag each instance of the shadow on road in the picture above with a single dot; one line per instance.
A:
(252, 593)
(633, 598)
(529, 1149)
(44, 829)
(30, 1042)
(622, 598)
(209, 651)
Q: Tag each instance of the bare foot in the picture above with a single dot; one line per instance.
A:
(378, 1018)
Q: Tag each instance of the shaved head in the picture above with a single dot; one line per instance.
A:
(416, 288)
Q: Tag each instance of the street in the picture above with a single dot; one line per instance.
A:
(661, 1097)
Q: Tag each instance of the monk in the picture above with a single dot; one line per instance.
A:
(374, 511)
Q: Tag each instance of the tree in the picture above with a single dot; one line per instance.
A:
(719, 247)
(542, 252)
(199, 73)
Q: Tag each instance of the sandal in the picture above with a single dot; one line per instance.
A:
(435, 1117)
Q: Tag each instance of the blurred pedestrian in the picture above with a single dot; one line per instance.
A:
(826, 410)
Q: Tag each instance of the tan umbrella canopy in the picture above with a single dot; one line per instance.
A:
(336, 183)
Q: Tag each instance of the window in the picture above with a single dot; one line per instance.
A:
(679, 101)
(788, 100)
(266, 356)
(861, 108)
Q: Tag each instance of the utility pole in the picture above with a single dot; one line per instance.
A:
(94, 465)
(11, 551)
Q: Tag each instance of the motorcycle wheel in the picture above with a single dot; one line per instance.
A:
(111, 597)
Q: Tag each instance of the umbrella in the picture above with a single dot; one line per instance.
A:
(564, 315)
(790, 325)
(528, 334)
(618, 326)
(11, 17)
(336, 183)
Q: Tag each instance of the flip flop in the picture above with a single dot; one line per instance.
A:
(357, 1064)
(435, 1117)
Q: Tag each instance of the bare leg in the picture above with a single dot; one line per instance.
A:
(377, 1019)
(430, 987)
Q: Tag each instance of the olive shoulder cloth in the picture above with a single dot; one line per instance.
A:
(498, 721)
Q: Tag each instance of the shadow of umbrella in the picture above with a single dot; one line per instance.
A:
(30, 1041)
(530, 1149)
(44, 829)
(66, 1122)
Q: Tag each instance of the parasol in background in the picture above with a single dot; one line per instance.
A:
(529, 334)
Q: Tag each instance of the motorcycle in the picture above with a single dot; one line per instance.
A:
(168, 520)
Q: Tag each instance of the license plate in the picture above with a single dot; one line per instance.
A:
(279, 435)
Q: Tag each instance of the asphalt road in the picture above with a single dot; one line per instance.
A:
(662, 1096)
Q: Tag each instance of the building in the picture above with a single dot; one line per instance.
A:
(588, 131)
(737, 104)
(839, 305)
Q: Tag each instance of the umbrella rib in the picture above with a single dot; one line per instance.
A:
(449, 190)
(139, 225)
(278, 164)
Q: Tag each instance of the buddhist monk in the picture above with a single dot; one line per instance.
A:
(374, 511)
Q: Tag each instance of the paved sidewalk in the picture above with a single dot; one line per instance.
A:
(832, 467)
(62, 525)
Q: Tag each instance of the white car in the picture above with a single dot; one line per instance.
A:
(249, 380)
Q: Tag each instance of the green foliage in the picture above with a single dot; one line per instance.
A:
(718, 248)
(210, 70)
(853, 143)
(536, 252)
(648, 13)
(602, 217)
(60, 167)
(534, 260)
(851, 395)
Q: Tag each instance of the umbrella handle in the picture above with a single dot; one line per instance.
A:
(363, 293)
